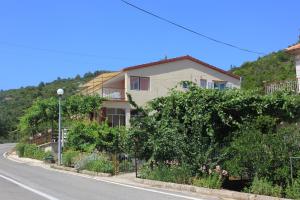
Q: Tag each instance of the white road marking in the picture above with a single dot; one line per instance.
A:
(29, 188)
(5, 154)
(150, 190)
(129, 186)
(9, 158)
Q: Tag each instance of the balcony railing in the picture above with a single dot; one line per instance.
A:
(289, 85)
(113, 93)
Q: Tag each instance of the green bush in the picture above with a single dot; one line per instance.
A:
(20, 148)
(191, 126)
(70, 157)
(175, 174)
(126, 166)
(31, 151)
(90, 136)
(211, 181)
(293, 191)
(269, 155)
(265, 187)
(99, 163)
(48, 157)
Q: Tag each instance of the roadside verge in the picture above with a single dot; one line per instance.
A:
(131, 180)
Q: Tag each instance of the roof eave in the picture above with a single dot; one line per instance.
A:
(187, 57)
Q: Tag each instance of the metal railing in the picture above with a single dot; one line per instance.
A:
(113, 93)
(289, 85)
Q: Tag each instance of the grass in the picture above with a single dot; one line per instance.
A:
(175, 174)
(31, 151)
(210, 181)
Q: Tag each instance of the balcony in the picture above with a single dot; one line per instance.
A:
(288, 85)
(113, 93)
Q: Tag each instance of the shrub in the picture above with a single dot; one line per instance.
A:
(39, 154)
(88, 136)
(213, 181)
(48, 157)
(30, 151)
(265, 187)
(100, 165)
(189, 126)
(269, 153)
(176, 174)
(293, 191)
(70, 157)
(96, 163)
(126, 166)
(20, 148)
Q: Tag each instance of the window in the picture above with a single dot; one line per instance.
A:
(210, 85)
(229, 85)
(221, 85)
(134, 83)
(139, 83)
(185, 85)
(203, 83)
(115, 117)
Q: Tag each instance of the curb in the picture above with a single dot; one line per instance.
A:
(86, 172)
(221, 193)
(206, 191)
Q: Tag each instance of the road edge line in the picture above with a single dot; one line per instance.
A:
(49, 197)
(154, 190)
(6, 156)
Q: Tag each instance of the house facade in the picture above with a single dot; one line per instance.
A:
(151, 80)
(295, 51)
(293, 84)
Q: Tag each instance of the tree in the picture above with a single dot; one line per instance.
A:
(274, 67)
(87, 136)
(44, 112)
(14, 102)
(79, 106)
(193, 126)
(254, 153)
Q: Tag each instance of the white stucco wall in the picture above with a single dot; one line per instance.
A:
(166, 76)
(297, 62)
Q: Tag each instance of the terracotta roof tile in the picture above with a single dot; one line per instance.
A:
(293, 48)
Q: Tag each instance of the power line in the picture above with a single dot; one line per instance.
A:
(192, 31)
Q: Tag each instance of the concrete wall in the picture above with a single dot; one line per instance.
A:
(166, 76)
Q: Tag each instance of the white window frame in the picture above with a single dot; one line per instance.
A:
(205, 87)
(139, 83)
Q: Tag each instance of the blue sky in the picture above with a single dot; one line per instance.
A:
(43, 40)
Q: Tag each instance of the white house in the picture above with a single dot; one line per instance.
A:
(147, 81)
(295, 50)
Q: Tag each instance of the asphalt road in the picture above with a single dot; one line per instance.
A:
(19, 181)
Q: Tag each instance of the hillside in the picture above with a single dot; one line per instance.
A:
(276, 66)
(14, 102)
(273, 67)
